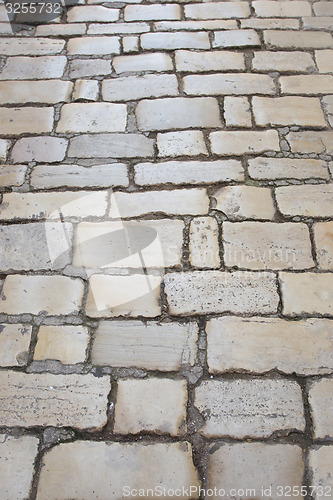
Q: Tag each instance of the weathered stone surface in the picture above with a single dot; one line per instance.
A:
(321, 399)
(215, 10)
(237, 112)
(50, 91)
(60, 29)
(48, 149)
(328, 107)
(88, 469)
(307, 293)
(262, 344)
(46, 295)
(255, 408)
(151, 405)
(311, 142)
(183, 143)
(245, 202)
(297, 39)
(130, 44)
(220, 60)
(27, 120)
(14, 344)
(67, 344)
(324, 61)
(117, 28)
(207, 292)
(244, 142)
(4, 145)
(12, 175)
(270, 23)
(151, 346)
(228, 84)
(30, 46)
(187, 25)
(92, 117)
(78, 401)
(287, 168)
(157, 62)
(17, 465)
(303, 200)
(317, 23)
(303, 111)
(88, 13)
(111, 145)
(321, 462)
(131, 88)
(323, 232)
(151, 12)
(172, 41)
(86, 89)
(204, 245)
(283, 61)
(307, 84)
(96, 45)
(236, 38)
(33, 68)
(88, 67)
(264, 8)
(323, 9)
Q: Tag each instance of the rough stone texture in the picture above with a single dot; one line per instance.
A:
(236, 38)
(321, 462)
(155, 405)
(172, 41)
(143, 62)
(12, 175)
(228, 84)
(33, 68)
(216, 10)
(321, 399)
(303, 200)
(86, 90)
(92, 13)
(323, 232)
(67, 344)
(256, 408)
(151, 12)
(245, 202)
(89, 67)
(309, 84)
(262, 344)
(4, 145)
(93, 46)
(110, 145)
(50, 91)
(92, 117)
(287, 168)
(311, 142)
(244, 142)
(194, 62)
(187, 25)
(237, 112)
(30, 46)
(40, 149)
(324, 61)
(33, 399)
(282, 61)
(183, 143)
(131, 88)
(204, 245)
(297, 39)
(14, 344)
(88, 469)
(264, 8)
(152, 346)
(29, 120)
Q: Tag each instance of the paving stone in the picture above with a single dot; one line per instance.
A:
(260, 345)
(157, 243)
(86, 89)
(228, 84)
(30, 46)
(188, 172)
(130, 44)
(152, 12)
(256, 469)
(33, 68)
(317, 23)
(187, 25)
(117, 28)
(303, 111)
(306, 293)
(270, 23)
(298, 39)
(151, 405)
(88, 469)
(87, 13)
(236, 38)
(54, 176)
(201, 292)
(321, 399)
(245, 202)
(328, 107)
(131, 88)
(89, 67)
(323, 233)
(264, 8)
(283, 61)
(172, 41)
(111, 145)
(18, 454)
(40, 149)
(176, 202)
(51, 295)
(27, 120)
(303, 200)
(45, 399)
(311, 142)
(49, 91)
(41, 206)
(287, 168)
(243, 142)
(4, 146)
(181, 113)
(61, 29)
(130, 296)
(321, 461)
(96, 45)
(156, 61)
(14, 344)
(92, 117)
(67, 344)
(184, 143)
(324, 61)
(213, 10)
(307, 84)
(204, 245)
(237, 112)
(194, 62)
(149, 345)
(323, 9)
(268, 245)
(256, 407)
(12, 175)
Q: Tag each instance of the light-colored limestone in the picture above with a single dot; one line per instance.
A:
(14, 344)
(151, 346)
(317, 23)
(204, 245)
(92, 117)
(130, 296)
(228, 84)
(97, 45)
(117, 28)
(151, 405)
(264, 8)
(270, 23)
(27, 120)
(40, 149)
(254, 408)
(187, 25)
(321, 463)
(88, 469)
(156, 61)
(307, 84)
(152, 12)
(216, 10)
(287, 168)
(324, 61)
(87, 13)
(67, 344)
(172, 41)
(245, 202)
(311, 142)
(60, 29)
(79, 68)
(237, 112)
(30, 46)
(307, 293)
(194, 62)
(86, 89)
(262, 344)
(183, 143)
(33, 68)
(17, 454)
(12, 175)
(283, 61)
(323, 233)
(298, 39)
(50, 91)
(28, 400)
(111, 145)
(131, 88)
(130, 44)
(45, 295)
(236, 38)
(321, 400)
(328, 108)
(323, 9)
(244, 142)
(304, 200)
(4, 146)
(204, 292)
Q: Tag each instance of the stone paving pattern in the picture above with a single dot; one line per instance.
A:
(207, 359)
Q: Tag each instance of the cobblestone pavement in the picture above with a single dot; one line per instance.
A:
(166, 251)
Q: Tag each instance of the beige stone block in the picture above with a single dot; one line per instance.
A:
(79, 68)
(303, 111)
(204, 292)
(323, 233)
(307, 293)
(33, 68)
(244, 142)
(4, 146)
(60, 29)
(237, 112)
(130, 296)
(158, 62)
(321, 400)
(172, 41)
(149, 345)
(88, 469)
(44, 399)
(86, 89)
(204, 245)
(49, 91)
(282, 39)
(317, 23)
(151, 405)
(92, 117)
(287, 168)
(245, 202)
(183, 143)
(307, 84)
(30, 46)
(283, 61)
(249, 407)
(87, 13)
(132, 88)
(197, 62)
(40, 149)
(130, 44)
(27, 120)
(67, 344)
(311, 200)
(328, 107)
(187, 25)
(111, 145)
(117, 28)
(259, 345)
(324, 60)
(228, 84)
(97, 45)
(264, 8)
(323, 9)
(236, 38)
(213, 10)
(311, 142)
(321, 463)
(152, 12)
(18, 454)
(14, 344)
(12, 175)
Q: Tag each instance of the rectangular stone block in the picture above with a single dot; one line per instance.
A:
(187, 25)
(12, 175)
(86, 89)
(183, 143)
(204, 244)
(245, 202)
(111, 145)
(236, 38)
(321, 460)
(204, 292)
(307, 84)
(4, 146)
(39, 149)
(67, 344)
(304, 200)
(97, 45)
(45, 295)
(323, 233)
(259, 345)
(156, 61)
(45, 399)
(265, 8)
(317, 23)
(237, 112)
(30, 46)
(323, 9)
(60, 29)
(287, 168)
(228, 84)
(152, 12)
(49, 91)
(14, 344)
(213, 10)
(92, 117)
(172, 41)
(283, 61)
(249, 408)
(117, 28)
(298, 39)
(33, 68)
(311, 142)
(150, 346)
(196, 62)
(244, 142)
(87, 13)
(27, 120)
(88, 67)
(324, 60)
(321, 399)
(132, 88)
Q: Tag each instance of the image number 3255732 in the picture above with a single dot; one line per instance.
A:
(24, 14)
